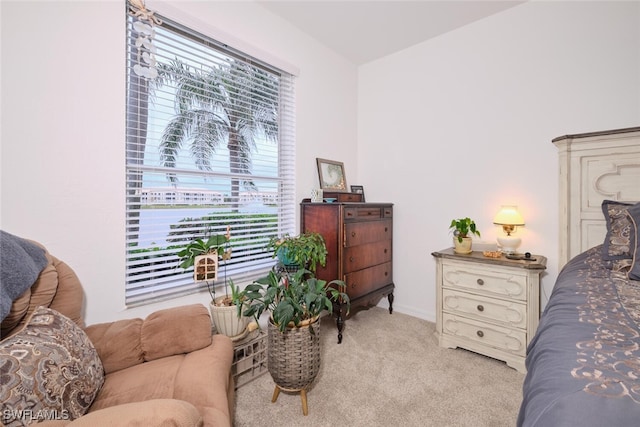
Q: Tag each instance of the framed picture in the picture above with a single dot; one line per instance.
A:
(331, 174)
(358, 189)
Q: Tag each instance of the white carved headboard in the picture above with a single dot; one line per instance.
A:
(594, 167)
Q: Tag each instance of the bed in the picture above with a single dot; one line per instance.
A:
(583, 364)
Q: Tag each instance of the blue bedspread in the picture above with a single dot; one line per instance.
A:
(583, 365)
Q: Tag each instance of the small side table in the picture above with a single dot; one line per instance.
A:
(488, 305)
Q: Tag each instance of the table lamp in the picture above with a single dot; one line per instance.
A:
(509, 218)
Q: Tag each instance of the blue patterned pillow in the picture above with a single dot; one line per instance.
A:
(634, 215)
(619, 242)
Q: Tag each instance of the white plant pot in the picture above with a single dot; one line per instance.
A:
(227, 322)
(462, 248)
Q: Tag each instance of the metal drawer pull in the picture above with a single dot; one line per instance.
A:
(480, 282)
(480, 334)
(385, 250)
(480, 307)
(386, 229)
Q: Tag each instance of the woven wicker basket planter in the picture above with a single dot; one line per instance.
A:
(294, 356)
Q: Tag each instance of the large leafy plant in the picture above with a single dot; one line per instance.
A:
(293, 298)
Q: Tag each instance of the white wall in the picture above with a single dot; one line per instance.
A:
(463, 123)
(63, 99)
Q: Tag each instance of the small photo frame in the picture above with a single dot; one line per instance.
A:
(358, 189)
(331, 174)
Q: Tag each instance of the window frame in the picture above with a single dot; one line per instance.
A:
(143, 283)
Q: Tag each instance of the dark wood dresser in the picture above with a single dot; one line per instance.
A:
(359, 244)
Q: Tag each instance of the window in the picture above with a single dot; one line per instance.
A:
(210, 144)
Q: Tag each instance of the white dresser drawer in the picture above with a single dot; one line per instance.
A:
(508, 313)
(512, 341)
(483, 279)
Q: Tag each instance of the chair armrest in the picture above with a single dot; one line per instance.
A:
(175, 330)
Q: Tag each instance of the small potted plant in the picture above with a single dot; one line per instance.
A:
(204, 256)
(462, 229)
(306, 250)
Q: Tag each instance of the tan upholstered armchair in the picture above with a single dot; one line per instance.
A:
(166, 369)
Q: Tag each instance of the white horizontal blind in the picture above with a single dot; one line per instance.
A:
(210, 144)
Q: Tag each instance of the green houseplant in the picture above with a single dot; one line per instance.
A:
(295, 301)
(306, 250)
(462, 228)
(204, 255)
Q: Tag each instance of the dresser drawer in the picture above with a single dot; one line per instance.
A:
(359, 257)
(480, 279)
(513, 341)
(363, 213)
(508, 313)
(341, 196)
(362, 282)
(359, 233)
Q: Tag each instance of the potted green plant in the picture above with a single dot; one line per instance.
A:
(293, 299)
(204, 256)
(295, 302)
(462, 228)
(306, 250)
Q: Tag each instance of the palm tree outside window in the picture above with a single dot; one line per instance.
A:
(210, 144)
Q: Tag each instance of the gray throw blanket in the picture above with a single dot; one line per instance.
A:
(20, 265)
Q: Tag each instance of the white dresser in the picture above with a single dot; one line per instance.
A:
(488, 305)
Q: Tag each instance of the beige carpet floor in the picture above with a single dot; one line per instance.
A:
(389, 371)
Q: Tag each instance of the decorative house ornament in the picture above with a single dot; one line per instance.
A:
(145, 50)
(205, 267)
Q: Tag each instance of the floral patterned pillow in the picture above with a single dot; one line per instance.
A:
(49, 370)
(619, 242)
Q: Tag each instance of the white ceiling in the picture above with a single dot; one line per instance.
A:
(365, 30)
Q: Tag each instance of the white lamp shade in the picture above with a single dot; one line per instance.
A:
(508, 215)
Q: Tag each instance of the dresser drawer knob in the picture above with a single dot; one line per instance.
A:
(385, 250)
(353, 234)
(480, 307)
(386, 229)
(353, 286)
(480, 282)
(480, 334)
(351, 259)
(386, 273)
